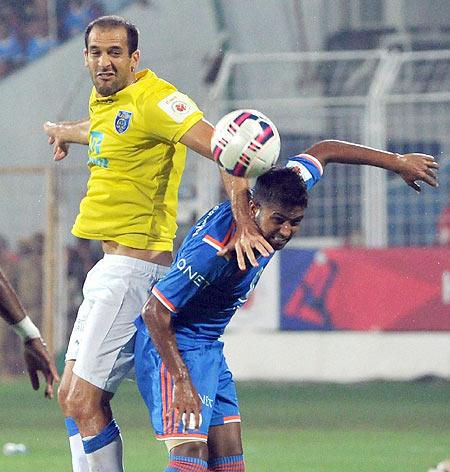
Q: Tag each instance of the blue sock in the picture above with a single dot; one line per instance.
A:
(102, 439)
(186, 464)
(71, 426)
(227, 464)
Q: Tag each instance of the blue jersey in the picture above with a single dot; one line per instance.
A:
(203, 290)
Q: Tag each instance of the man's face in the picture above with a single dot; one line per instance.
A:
(277, 223)
(108, 60)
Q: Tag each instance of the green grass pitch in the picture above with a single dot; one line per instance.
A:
(370, 427)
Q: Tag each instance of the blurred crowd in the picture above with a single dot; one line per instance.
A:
(28, 30)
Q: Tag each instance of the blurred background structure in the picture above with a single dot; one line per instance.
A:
(364, 291)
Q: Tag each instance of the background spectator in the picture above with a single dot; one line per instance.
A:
(38, 40)
(11, 54)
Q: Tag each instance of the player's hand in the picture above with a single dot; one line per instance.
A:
(185, 400)
(245, 241)
(416, 167)
(38, 359)
(60, 147)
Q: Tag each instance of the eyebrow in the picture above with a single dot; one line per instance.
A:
(111, 48)
(281, 215)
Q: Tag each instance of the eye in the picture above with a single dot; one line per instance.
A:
(297, 221)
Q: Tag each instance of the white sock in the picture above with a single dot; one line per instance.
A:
(79, 461)
(104, 452)
(108, 458)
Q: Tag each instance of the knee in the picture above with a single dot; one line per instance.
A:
(63, 392)
(81, 407)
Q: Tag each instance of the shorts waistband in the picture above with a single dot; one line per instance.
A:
(135, 263)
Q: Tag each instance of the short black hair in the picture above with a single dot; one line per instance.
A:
(113, 21)
(281, 186)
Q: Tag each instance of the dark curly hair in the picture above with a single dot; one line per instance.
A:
(281, 186)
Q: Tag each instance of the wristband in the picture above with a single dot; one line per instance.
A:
(26, 329)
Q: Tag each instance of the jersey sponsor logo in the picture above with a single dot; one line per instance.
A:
(98, 161)
(122, 121)
(196, 278)
(178, 106)
(207, 401)
(95, 142)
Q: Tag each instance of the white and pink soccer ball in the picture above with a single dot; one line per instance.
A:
(245, 143)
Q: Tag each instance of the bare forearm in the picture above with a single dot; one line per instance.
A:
(237, 189)
(348, 153)
(158, 321)
(72, 131)
(10, 308)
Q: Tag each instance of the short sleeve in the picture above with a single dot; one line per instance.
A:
(308, 167)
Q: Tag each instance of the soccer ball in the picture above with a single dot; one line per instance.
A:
(443, 466)
(245, 143)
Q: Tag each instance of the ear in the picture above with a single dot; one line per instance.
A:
(85, 57)
(135, 57)
(254, 208)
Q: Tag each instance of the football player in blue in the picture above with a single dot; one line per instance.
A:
(180, 367)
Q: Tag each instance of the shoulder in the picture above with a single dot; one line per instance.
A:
(150, 84)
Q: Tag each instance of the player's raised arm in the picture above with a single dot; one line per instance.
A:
(36, 355)
(63, 133)
(185, 397)
(412, 167)
(247, 238)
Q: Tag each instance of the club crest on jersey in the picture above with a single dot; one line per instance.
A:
(122, 121)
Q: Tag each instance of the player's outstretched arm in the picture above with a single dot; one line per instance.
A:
(411, 167)
(247, 238)
(185, 398)
(63, 133)
(36, 355)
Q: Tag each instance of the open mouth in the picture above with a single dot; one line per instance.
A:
(105, 75)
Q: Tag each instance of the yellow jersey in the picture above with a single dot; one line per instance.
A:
(136, 163)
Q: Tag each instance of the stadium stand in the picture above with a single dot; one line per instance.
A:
(29, 29)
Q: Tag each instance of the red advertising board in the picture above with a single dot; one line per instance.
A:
(401, 289)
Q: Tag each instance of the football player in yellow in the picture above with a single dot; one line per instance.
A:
(138, 129)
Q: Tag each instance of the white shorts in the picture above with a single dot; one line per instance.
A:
(102, 339)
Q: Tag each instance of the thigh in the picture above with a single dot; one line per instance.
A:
(102, 342)
(156, 386)
(224, 440)
(226, 405)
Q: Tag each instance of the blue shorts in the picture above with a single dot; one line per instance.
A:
(209, 373)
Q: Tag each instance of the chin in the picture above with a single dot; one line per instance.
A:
(278, 246)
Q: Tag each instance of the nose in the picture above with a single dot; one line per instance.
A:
(103, 60)
(286, 230)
